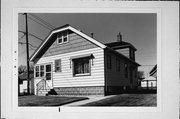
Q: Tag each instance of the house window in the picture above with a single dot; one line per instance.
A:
(37, 71)
(62, 38)
(58, 65)
(109, 65)
(118, 65)
(43, 70)
(126, 70)
(48, 72)
(81, 66)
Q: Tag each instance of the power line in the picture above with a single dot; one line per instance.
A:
(31, 35)
(22, 43)
(40, 23)
(21, 36)
(43, 21)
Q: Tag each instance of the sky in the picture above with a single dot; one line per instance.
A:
(139, 29)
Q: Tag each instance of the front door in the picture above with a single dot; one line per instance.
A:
(43, 74)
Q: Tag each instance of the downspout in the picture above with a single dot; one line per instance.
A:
(105, 74)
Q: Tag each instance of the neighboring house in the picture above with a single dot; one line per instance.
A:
(153, 72)
(73, 63)
(22, 83)
(150, 81)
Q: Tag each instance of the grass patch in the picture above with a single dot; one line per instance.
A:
(33, 100)
(127, 100)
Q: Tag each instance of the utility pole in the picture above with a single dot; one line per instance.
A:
(27, 52)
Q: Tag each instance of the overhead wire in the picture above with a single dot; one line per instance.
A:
(31, 35)
(43, 21)
(40, 23)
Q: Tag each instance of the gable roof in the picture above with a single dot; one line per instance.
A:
(153, 70)
(63, 28)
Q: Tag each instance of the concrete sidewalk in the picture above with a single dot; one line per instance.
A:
(91, 99)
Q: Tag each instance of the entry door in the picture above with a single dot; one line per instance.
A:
(48, 72)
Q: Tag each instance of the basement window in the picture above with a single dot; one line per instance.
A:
(62, 38)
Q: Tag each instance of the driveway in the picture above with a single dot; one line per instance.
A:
(119, 100)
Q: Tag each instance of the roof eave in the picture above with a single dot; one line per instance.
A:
(124, 56)
(67, 27)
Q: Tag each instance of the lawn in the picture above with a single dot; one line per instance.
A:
(46, 100)
(127, 100)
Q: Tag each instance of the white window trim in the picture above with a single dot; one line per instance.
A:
(62, 36)
(83, 74)
(39, 65)
(56, 66)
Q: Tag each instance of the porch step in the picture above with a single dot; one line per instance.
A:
(43, 92)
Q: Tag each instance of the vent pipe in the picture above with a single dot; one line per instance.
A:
(119, 37)
(92, 35)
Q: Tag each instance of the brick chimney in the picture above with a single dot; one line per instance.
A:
(119, 37)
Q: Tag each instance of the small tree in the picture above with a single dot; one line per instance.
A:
(141, 76)
(21, 69)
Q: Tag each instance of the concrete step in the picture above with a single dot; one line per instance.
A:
(43, 92)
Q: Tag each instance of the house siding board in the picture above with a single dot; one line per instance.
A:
(75, 43)
(66, 78)
(115, 78)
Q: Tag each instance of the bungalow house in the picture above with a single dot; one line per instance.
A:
(69, 62)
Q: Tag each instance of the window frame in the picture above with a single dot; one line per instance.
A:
(35, 72)
(42, 71)
(81, 74)
(44, 65)
(62, 36)
(60, 65)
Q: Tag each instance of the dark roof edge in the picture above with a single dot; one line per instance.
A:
(122, 55)
(128, 44)
(153, 70)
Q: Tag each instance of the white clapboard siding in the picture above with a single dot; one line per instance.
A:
(66, 78)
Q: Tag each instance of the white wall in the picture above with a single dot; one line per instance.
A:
(66, 79)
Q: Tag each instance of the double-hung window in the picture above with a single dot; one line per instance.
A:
(58, 65)
(81, 66)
